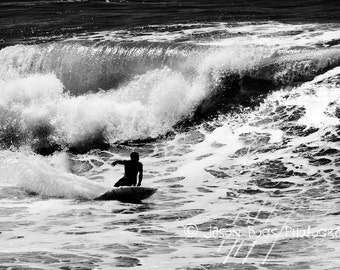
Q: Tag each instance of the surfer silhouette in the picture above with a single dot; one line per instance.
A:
(131, 167)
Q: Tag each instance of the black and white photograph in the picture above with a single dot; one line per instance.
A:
(170, 135)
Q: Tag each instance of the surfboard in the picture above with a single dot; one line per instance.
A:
(128, 194)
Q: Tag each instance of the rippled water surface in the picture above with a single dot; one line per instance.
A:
(233, 107)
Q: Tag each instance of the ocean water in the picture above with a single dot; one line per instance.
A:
(234, 107)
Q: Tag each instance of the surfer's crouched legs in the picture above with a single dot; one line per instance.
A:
(124, 182)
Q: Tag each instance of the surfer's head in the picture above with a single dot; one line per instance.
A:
(134, 156)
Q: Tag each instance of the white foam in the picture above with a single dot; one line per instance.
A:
(35, 89)
(146, 107)
(149, 105)
(34, 173)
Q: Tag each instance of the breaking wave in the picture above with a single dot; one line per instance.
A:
(84, 94)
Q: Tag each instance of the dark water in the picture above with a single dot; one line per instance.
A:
(22, 21)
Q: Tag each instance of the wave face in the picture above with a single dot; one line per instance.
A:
(85, 93)
(89, 66)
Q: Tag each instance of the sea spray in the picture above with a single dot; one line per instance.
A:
(45, 177)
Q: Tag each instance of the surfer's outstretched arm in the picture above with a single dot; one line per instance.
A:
(121, 162)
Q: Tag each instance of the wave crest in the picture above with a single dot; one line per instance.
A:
(167, 84)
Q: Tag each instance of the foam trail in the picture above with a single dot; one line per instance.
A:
(35, 174)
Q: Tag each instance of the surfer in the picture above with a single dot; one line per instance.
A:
(131, 167)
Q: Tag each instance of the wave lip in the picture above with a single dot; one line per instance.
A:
(293, 68)
(89, 66)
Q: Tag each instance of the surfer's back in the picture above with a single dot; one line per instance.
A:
(132, 168)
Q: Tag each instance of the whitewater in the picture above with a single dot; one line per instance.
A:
(237, 125)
